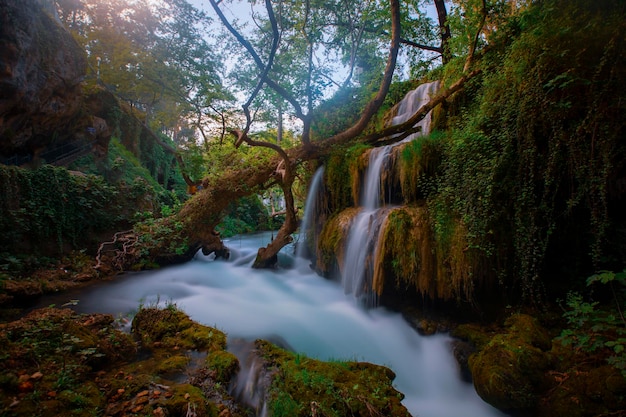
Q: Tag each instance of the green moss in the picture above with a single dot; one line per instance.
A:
(170, 327)
(302, 386)
(186, 399)
(224, 364)
(81, 400)
(172, 364)
(510, 371)
(476, 334)
(420, 160)
(54, 354)
(405, 256)
(331, 241)
(342, 172)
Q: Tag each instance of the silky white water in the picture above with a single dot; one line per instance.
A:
(360, 250)
(311, 314)
(307, 223)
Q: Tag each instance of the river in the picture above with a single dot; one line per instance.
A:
(310, 314)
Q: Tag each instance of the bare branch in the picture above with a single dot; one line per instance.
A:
(259, 62)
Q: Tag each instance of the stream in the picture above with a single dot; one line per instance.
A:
(304, 311)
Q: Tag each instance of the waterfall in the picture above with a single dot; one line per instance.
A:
(356, 274)
(310, 208)
(360, 252)
(412, 102)
(252, 383)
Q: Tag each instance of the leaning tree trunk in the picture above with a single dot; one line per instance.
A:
(203, 212)
(267, 257)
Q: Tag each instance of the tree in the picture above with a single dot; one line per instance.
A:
(156, 58)
(302, 103)
(301, 87)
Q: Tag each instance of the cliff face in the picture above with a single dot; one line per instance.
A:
(41, 68)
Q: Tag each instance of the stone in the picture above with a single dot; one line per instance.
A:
(33, 102)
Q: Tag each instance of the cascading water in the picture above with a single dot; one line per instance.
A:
(411, 103)
(362, 242)
(302, 311)
(307, 226)
(309, 314)
(360, 250)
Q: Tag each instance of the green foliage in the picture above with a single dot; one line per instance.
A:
(158, 237)
(557, 111)
(342, 168)
(532, 148)
(467, 186)
(246, 215)
(420, 161)
(597, 329)
(51, 205)
(154, 58)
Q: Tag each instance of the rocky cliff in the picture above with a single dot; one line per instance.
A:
(41, 69)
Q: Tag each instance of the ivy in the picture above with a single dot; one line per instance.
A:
(51, 210)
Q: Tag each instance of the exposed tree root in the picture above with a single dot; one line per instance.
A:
(119, 252)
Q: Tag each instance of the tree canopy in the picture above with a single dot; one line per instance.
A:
(185, 70)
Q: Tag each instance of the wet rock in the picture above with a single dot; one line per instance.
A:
(462, 351)
(510, 370)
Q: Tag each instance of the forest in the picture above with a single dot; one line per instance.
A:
(457, 164)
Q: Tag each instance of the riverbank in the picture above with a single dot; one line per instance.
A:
(58, 362)
(517, 362)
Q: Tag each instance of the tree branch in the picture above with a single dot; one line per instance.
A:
(474, 44)
(259, 62)
(398, 132)
(373, 106)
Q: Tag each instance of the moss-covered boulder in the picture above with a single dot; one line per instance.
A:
(332, 240)
(223, 364)
(301, 386)
(509, 372)
(172, 328)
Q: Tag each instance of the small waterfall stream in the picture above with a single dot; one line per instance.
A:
(307, 225)
(360, 251)
(356, 275)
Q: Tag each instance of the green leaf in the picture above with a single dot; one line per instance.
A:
(603, 276)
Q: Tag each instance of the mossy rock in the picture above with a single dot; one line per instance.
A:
(582, 385)
(49, 358)
(509, 372)
(187, 400)
(477, 335)
(332, 239)
(585, 393)
(171, 364)
(81, 400)
(224, 364)
(528, 329)
(302, 386)
(172, 328)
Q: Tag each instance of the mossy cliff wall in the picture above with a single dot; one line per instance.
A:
(518, 194)
(414, 255)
